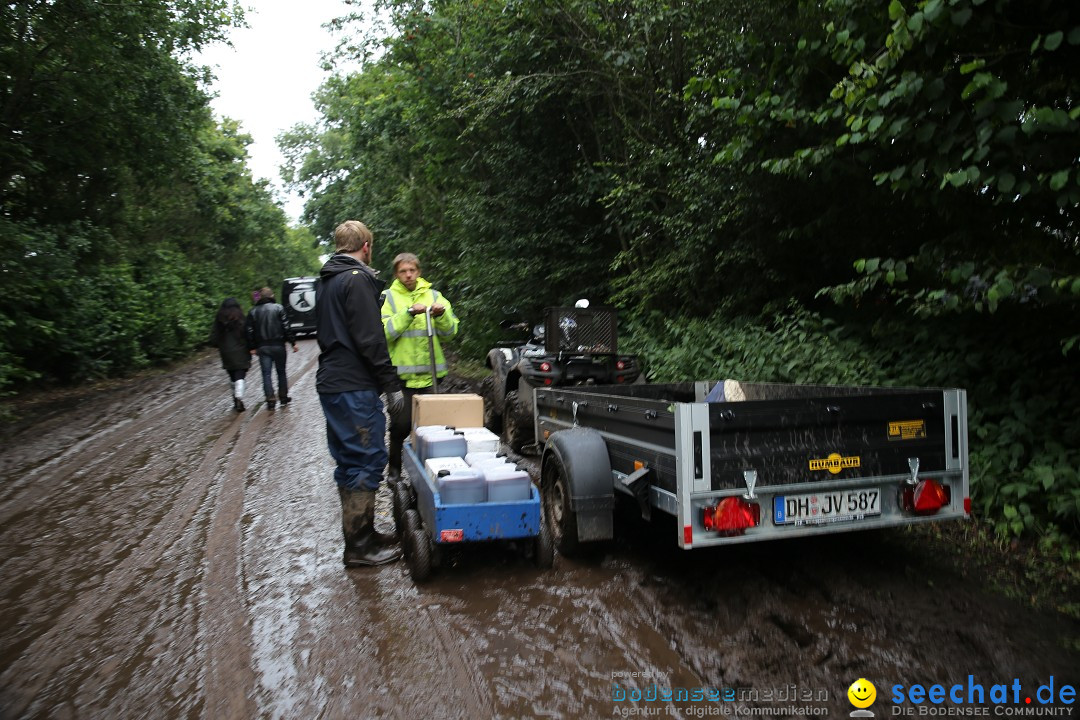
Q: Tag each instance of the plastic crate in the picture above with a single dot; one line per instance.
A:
(580, 330)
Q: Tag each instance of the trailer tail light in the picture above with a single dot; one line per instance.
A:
(925, 497)
(546, 367)
(732, 516)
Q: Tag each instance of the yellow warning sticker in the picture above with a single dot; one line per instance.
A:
(835, 463)
(907, 430)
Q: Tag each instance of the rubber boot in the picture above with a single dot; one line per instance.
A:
(384, 539)
(362, 546)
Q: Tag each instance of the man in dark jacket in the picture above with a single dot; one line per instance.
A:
(354, 368)
(267, 331)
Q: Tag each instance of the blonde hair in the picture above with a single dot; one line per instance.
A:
(351, 236)
(406, 257)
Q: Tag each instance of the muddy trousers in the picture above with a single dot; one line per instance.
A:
(271, 357)
(355, 435)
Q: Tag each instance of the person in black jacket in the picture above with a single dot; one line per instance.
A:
(354, 368)
(267, 331)
(227, 335)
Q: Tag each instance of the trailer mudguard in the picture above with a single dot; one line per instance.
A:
(584, 458)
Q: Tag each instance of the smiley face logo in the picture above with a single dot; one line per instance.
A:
(862, 693)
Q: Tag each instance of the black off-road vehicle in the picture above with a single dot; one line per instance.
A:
(573, 346)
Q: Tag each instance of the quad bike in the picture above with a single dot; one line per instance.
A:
(572, 346)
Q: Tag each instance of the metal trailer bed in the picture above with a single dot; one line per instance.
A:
(808, 459)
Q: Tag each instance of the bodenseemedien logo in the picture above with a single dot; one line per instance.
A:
(862, 694)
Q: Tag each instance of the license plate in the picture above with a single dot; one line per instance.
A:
(826, 507)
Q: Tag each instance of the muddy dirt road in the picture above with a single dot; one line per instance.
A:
(165, 557)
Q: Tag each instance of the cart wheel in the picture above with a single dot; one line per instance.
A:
(410, 522)
(543, 547)
(561, 518)
(517, 423)
(402, 502)
(420, 558)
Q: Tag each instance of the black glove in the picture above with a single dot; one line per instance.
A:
(395, 402)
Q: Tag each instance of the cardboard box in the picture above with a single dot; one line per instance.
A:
(453, 409)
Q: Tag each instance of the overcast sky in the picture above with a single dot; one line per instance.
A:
(266, 79)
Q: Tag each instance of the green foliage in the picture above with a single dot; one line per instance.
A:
(128, 213)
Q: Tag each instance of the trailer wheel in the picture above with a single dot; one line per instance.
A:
(543, 547)
(561, 518)
(517, 430)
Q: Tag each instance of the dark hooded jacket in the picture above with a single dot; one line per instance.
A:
(351, 338)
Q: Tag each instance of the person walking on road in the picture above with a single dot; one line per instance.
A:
(354, 369)
(405, 325)
(267, 331)
(227, 335)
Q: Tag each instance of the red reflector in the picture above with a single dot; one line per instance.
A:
(926, 497)
(545, 367)
(547, 381)
(452, 535)
(688, 534)
(732, 516)
(619, 378)
(967, 506)
(620, 365)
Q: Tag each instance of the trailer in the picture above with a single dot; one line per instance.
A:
(738, 462)
(429, 526)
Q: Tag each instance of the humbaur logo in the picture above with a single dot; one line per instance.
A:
(835, 463)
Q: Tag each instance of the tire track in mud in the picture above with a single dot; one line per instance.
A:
(52, 650)
(55, 648)
(461, 660)
(224, 627)
(109, 446)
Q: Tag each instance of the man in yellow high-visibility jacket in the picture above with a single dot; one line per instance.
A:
(403, 310)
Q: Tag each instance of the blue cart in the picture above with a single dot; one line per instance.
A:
(428, 526)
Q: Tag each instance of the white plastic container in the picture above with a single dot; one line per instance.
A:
(489, 464)
(462, 486)
(507, 484)
(472, 458)
(480, 439)
(423, 432)
(436, 465)
(442, 442)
